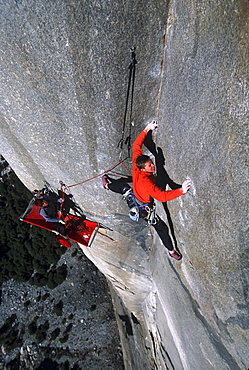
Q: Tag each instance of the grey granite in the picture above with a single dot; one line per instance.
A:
(64, 71)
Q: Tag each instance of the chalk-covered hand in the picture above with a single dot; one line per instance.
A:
(186, 186)
(151, 126)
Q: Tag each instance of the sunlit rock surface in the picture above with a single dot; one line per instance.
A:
(64, 76)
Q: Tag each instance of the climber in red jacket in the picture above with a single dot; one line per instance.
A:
(140, 198)
(145, 188)
(143, 169)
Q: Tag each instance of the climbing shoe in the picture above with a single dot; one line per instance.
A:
(105, 182)
(175, 255)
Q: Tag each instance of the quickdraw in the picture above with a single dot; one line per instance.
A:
(151, 218)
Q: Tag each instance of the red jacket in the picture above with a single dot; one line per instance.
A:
(144, 183)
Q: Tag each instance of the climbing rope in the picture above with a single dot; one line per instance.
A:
(131, 85)
(127, 141)
(101, 174)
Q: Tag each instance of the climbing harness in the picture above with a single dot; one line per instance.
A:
(147, 211)
(131, 85)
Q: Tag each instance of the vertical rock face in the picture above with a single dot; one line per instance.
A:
(64, 75)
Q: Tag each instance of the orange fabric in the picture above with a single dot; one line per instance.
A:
(144, 183)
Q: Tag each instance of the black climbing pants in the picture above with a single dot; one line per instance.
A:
(163, 233)
(120, 185)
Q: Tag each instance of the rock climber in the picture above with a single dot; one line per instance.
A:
(145, 190)
(49, 209)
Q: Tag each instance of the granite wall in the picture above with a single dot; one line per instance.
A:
(64, 76)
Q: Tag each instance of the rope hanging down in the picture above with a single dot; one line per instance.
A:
(131, 84)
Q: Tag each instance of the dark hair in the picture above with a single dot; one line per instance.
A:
(141, 160)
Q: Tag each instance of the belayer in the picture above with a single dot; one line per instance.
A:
(140, 198)
(49, 210)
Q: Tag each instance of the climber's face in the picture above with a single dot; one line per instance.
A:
(149, 166)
